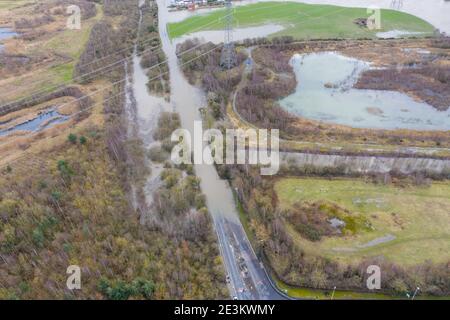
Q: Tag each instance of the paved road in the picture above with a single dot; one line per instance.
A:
(247, 277)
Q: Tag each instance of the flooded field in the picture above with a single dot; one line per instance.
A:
(435, 12)
(239, 34)
(324, 93)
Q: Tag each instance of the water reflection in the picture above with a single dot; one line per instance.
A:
(324, 92)
(44, 120)
(6, 33)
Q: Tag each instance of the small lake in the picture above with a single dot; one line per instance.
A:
(6, 33)
(324, 93)
(44, 120)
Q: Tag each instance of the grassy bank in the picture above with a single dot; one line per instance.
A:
(313, 294)
(303, 21)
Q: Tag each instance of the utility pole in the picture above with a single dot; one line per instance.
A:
(332, 295)
(228, 58)
(415, 292)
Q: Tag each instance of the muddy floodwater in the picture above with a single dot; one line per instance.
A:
(325, 93)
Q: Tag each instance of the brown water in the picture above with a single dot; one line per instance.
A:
(186, 100)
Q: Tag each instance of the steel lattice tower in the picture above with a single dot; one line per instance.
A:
(228, 59)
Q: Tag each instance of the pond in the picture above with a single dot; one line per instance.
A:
(44, 120)
(325, 93)
(6, 33)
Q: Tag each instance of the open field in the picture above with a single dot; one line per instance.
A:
(9, 4)
(52, 55)
(418, 218)
(306, 293)
(303, 21)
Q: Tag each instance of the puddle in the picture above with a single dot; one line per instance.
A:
(324, 93)
(44, 120)
(6, 33)
(336, 223)
(397, 34)
(217, 36)
(372, 243)
(377, 241)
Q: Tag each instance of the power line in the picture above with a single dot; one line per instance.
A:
(122, 60)
(92, 106)
(73, 80)
(86, 64)
(125, 49)
(228, 58)
(44, 90)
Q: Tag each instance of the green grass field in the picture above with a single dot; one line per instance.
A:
(419, 218)
(302, 21)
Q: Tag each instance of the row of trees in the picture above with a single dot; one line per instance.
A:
(105, 40)
(148, 38)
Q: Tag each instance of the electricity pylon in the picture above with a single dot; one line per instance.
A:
(228, 58)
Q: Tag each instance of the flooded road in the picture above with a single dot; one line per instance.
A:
(248, 279)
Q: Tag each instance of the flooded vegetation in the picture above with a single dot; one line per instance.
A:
(86, 127)
(343, 97)
(325, 93)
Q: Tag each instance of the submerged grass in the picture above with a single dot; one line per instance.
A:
(303, 21)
